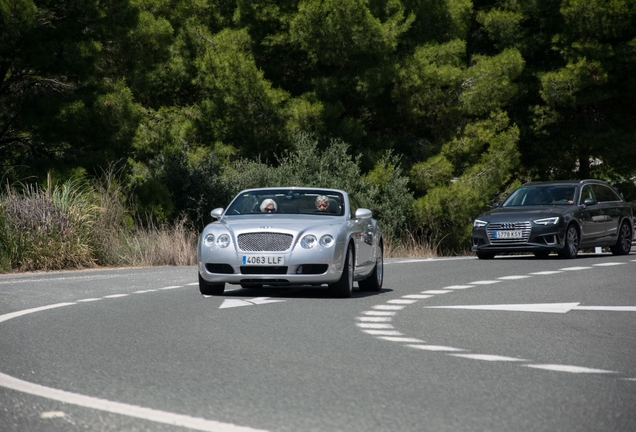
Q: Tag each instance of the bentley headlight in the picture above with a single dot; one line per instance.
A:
(309, 241)
(223, 241)
(326, 241)
(479, 223)
(208, 240)
(547, 221)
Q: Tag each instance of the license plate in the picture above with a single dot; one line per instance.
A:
(508, 234)
(264, 260)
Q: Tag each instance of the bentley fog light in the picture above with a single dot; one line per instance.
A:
(309, 241)
(326, 241)
(208, 240)
(223, 241)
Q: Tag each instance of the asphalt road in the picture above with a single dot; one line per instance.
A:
(510, 344)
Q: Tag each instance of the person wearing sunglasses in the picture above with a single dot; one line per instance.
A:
(322, 203)
(268, 206)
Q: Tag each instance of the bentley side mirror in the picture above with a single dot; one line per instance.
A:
(363, 213)
(217, 213)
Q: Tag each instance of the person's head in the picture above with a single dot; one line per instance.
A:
(268, 206)
(322, 202)
(569, 194)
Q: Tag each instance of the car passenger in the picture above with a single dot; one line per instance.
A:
(322, 203)
(268, 206)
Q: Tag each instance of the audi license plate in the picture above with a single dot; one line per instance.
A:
(508, 234)
(264, 260)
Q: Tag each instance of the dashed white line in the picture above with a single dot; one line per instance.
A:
(514, 277)
(485, 282)
(575, 268)
(379, 313)
(388, 307)
(609, 264)
(374, 319)
(436, 348)
(116, 296)
(383, 332)
(459, 287)
(417, 296)
(436, 291)
(89, 300)
(566, 368)
(402, 301)
(402, 339)
(374, 326)
(547, 272)
(489, 357)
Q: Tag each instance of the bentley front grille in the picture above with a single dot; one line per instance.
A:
(264, 242)
(504, 229)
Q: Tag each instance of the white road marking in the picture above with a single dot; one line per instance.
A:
(229, 303)
(459, 287)
(436, 348)
(514, 277)
(150, 414)
(52, 414)
(171, 287)
(436, 291)
(195, 423)
(116, 296)
(89, 300)
(485, 282)
(402, 301)
(566, 368)
(489, 357)
(388, 307)
(12, 315)
(539, 307)
(546, 273)
(575, 268)
(383, 332)
(609, 264)
(380, 313)
(375, 319)
(417, 296)
(374, 326)
(401, 339)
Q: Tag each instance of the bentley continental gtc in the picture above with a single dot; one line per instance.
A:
(291, 236)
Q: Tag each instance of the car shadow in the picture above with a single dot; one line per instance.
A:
(296, 292)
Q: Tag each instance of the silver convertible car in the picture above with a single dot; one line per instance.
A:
(291, 236)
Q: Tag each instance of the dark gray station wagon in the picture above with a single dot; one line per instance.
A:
(563, 217)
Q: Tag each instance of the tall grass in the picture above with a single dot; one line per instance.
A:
(81, 225)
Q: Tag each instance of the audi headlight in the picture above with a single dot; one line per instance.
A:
(208, 240)
(547, 221)
(309, 241)
(327, 241)
(479, 223)
(223, 241)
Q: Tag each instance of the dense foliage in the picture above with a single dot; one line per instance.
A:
(428, 110)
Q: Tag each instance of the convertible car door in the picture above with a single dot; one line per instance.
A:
(363, 239)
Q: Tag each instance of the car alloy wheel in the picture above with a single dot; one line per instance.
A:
(376, 278)
(344, 287)
(624, 243)
(571, 247)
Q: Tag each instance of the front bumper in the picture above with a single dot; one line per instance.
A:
(538, 238)
(301, 267)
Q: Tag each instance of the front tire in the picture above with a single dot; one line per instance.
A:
(344, 287)
(571, 247)
(375, 279)
(207, 288)
(624, 243)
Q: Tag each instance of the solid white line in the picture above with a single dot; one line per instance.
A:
(566, 368)
(171, 287)
(89, 300)
(116, 296)
(488, 357)
(157, 416)
(9, 316)
(485, 282)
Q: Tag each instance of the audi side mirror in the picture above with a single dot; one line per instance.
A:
(590, 202)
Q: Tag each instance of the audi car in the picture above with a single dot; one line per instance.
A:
(291, 236)
(561, 217)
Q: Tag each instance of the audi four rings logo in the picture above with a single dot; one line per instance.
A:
(508, 225)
